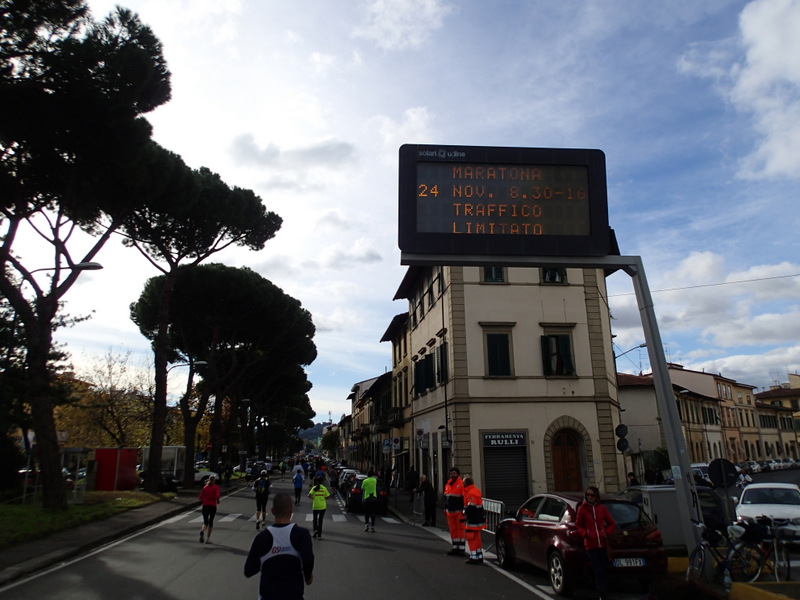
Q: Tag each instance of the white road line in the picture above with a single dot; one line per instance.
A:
(230, 517)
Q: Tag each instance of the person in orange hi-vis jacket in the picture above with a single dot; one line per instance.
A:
(454, 511)
(475, 521)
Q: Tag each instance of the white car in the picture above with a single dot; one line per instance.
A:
(774, 500)
(200, 477)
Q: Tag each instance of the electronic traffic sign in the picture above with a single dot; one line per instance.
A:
(502, 201)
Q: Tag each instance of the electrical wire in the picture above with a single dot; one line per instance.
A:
(704, 285)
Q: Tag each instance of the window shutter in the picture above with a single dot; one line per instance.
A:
(498, 356)
(565, 355)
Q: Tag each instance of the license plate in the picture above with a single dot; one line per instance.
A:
(628, 562)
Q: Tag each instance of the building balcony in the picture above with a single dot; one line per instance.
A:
(396, 416)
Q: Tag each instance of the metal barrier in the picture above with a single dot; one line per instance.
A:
(495, 512)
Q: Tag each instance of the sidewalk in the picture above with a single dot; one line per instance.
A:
(25, 559)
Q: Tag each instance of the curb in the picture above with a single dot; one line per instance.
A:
(44, 561)
(14, 572)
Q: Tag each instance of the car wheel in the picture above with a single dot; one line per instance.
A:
(203, 480)
(504, 557)
(558, 574)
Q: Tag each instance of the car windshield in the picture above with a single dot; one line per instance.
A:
(771, 496)
(626, 513)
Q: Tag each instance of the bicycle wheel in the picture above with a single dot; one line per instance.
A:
(697, 562)
(776, 563)
(745, 562)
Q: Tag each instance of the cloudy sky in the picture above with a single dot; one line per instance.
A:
(695, 104)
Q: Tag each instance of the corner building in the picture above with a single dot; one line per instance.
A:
(507, 373)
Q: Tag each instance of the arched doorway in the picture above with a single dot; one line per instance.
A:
(566, 461)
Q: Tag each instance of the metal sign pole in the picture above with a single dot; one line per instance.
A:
(688, 508)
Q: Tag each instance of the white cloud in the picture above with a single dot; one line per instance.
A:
(402, 24)
(759, 74)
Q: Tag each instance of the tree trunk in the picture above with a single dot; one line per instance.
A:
(190, 424)
(161, 357)
(44, 425)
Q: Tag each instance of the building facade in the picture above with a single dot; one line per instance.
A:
(507, 373)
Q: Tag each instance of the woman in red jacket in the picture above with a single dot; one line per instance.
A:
(209, 497)
(595, 524)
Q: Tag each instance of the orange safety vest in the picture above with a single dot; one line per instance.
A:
(454, 496)
(473, 508)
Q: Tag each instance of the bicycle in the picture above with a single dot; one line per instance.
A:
(741, 559)
(777, 536)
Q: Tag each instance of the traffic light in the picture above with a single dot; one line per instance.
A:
(621, 431)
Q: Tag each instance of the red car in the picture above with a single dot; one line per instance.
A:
(543, 534)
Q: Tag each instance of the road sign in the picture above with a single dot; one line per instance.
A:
(480, 200)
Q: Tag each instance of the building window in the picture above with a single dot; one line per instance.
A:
(497, 345)
(424, 377)
(557, 355)
(554, 276)
(494, 275)
(441, 363)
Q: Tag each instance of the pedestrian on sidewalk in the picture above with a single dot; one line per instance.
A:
(298, 480)
(594, 523)
(319, 495)
(283, 554)
(209, 498)
(369, 497)
(262, 487)
(428, 500)
(454, 511)
(475, 521)
(412, 481)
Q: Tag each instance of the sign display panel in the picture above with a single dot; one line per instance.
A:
(502, 201)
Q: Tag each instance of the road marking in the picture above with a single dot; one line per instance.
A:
(230, 517)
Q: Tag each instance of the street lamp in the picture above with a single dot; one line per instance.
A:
(81, 266)
(631, 350)
(197, 363)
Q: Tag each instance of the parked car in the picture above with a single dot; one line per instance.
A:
(346, 478)
(701, 469)
(745, 466)
(754, 466)
(765, 466)
(790, 463)
(354, 501)
(167, 483)
(200, 477)
(543, 533)
(710, 504)
(774, 500)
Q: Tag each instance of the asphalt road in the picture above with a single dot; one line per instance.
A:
(399, 561)
(167, 562)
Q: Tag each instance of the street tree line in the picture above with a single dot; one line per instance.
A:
(76, 155)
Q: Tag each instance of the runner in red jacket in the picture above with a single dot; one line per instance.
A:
(209, 497)
(595, 524)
